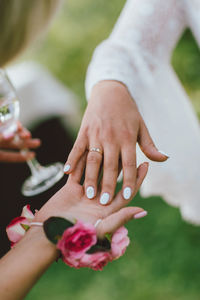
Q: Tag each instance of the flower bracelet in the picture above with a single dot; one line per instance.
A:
(78, 243)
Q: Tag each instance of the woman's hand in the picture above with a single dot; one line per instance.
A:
(70, 202)
(9, 146)
(18, 275)
(113, 124)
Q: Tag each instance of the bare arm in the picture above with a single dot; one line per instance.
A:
(28, 260)
(22, 266)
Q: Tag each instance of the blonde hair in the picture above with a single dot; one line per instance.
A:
(20, 23)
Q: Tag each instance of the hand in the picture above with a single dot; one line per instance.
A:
(24, 141)
(71, 203)
(112, 123)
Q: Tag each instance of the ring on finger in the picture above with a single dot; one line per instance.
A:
(96, 149)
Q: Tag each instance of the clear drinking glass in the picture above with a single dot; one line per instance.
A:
(42, 178)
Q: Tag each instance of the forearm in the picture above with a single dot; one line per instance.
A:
(23, 265)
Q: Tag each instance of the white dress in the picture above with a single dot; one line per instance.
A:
(138, 53)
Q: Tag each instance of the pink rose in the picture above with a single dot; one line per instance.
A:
(96, 261)
(15, 230)
(119, 242)
(76, 240)
(72, 262)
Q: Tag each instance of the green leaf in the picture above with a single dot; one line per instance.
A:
(108, 236)
(25, 226)
(54, 228)
(101, 245)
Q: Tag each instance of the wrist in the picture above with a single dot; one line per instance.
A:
(109, 85)
(37, 243)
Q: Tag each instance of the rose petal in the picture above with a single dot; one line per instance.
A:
(118, 249)
(27, 213)
(76, 240)
(14, 230)
(119, 234)
(119, 242)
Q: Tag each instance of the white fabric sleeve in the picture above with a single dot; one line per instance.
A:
(192, 12)
(118, 58)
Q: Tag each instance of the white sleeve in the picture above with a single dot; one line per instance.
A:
(192, 11)
(128, 54)
(116, 58)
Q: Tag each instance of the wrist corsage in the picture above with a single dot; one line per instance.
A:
(78, 243)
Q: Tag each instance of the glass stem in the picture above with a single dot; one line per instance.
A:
(34, 166)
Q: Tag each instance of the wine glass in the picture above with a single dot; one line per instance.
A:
(42, 178)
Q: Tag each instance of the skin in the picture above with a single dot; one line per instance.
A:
(112, 123)
(28, 260)
(10, 147)
(71, 202)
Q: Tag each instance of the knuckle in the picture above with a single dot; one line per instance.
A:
(90, 180)
(150, 143)
(93, 158)
(96, 130)
(108, 134)
(84, 131)
(128, 135)
(79, 147)
(146, 147)
(111, 167)
(126, 217)
(129, 163)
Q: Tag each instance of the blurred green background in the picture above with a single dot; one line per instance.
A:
(163, 261)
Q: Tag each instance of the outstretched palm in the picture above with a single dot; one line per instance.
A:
(70, 202)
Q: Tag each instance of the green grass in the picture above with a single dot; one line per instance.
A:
(163, 261)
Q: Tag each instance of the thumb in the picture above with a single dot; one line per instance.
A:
(148, 147)
(111, 223)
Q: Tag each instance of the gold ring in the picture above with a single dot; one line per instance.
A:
(94, 149)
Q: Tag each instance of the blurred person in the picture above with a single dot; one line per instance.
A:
(21, 23)
(18, 275)
(135, 97)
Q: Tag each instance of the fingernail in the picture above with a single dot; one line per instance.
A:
(104, 198)
(67, 168)
(140, 215)
(162, 152)
(127, 193)
(37, 140)
(90, 192)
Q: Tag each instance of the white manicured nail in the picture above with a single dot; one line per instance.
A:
(104, 198)
(127, 193)
(90, 192)
(67, 168)
(165, 154)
